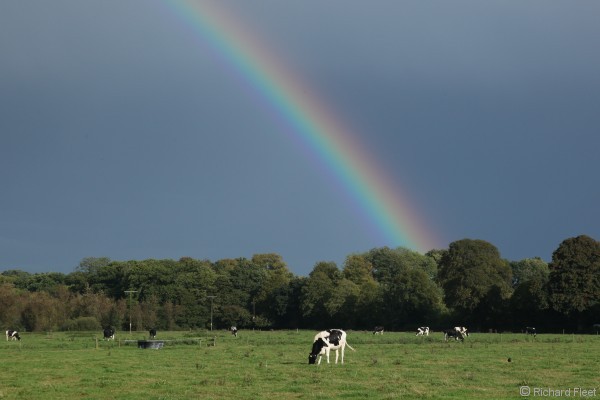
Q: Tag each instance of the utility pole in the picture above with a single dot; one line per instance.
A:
(130, 292)
(211, 310)
(253, 314)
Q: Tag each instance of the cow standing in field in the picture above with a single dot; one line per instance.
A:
(234, 331)
(109, 333)
(152, 333)
(462, 330)
(456, 334)
(12, 335)
(325, 341)
(378, 329)
(423, 331)
(530, 331)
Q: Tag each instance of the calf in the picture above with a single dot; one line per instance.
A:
(530, 331)
(109, 333)
(423, 331)
(378, 329)
(325, 341)
(234, 330)
(152, 333)
(448, 333)
(12, 335)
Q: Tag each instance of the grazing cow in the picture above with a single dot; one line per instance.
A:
(152, 333)
(109, 333)
(456, 334)
(462, 330)
(12, 335)
(378, 329)
(234, 330)
(325, 341)
(423, 331)
(530, 331)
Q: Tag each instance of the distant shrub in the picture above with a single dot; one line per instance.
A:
(82, 324)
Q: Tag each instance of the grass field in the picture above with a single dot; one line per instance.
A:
(274, 365)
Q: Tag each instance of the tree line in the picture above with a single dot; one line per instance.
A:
(467, 284)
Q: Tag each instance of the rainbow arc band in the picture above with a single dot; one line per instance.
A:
(309, 122)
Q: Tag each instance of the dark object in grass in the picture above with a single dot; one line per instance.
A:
(151, 344)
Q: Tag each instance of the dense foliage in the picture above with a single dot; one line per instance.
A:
(467, 284)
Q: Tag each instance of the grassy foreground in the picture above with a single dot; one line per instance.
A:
(260, 365)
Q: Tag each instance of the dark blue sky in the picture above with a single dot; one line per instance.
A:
(121, 136)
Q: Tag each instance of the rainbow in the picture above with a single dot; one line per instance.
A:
(309, 122)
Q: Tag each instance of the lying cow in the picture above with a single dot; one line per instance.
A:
(423, 331)
(12, 335)
(378, 329)
(456, 334)
(152, 333)
(109, 333)
(325, 341)
(530, 331)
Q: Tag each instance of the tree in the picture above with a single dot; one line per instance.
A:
(318, 290)
(411, 299)
(194, 281)
(239, 283)
(10, 306)
(41, 312)
(92, 304)
(271, 300)
(341, 304)
(358, 269)
(20, 279)
(386, 263)
(109, 279)
(368, 306)
(528, 269)
(468, 272)
(293, 293)
(574, 281)
(90, 265)
(436, 254)
(418, 261)
(529, 301)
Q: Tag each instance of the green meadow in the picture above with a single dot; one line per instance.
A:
(274, 365)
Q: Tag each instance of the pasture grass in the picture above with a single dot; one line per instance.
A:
(274, 364)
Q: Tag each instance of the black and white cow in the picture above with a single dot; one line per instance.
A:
(152, 333)
(456, 334)
(462, 330)
(530, 331)
(234, 330)
(109, 333)
(378, 329)
(423, 331)
(325, 341)
(12, 335)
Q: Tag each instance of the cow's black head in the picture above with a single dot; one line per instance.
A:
(316, 350)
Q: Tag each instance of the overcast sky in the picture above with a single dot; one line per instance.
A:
(123, 137)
